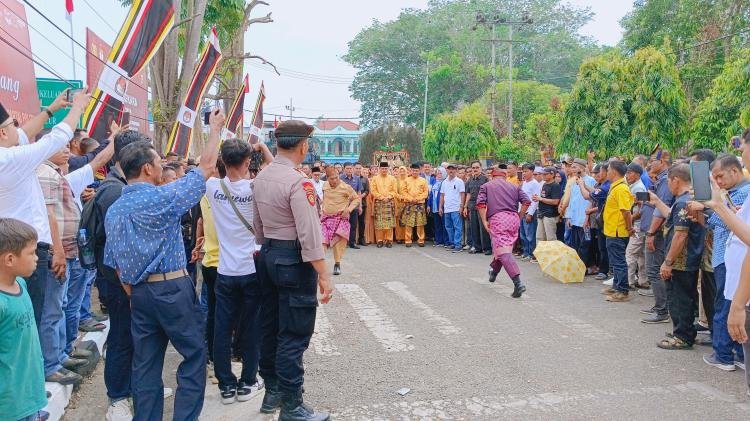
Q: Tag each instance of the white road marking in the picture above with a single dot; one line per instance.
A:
(503, 288)
(442, 324)
(380, 325)
(448, 265)
(321, 339)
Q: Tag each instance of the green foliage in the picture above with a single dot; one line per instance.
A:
(509, 150)
(719, 116)
(390, 137)
(529, 97)
(435, 137)
(544, 129)
(461, 136)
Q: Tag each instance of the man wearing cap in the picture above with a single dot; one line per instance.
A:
(498, 203)
(547, 210)
(21, 194)
(291, 268)
(575, 211)
(414, 194)
(635, 255)
(339, 201)
(384, 191)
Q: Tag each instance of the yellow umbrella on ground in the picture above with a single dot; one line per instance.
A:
(560, 262)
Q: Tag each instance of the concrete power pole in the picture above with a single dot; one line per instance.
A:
(291, 109)
(426, 88)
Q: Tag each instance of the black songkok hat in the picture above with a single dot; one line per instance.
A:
(3, 114)
(414, 165)
(384, 164)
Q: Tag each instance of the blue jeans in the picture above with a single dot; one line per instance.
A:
(78, 279)
(454, 227)
(52, 329)
(237, 300)
(722, 343)
(441, 237)
(528, 236)
(85, 313)
(616, 250)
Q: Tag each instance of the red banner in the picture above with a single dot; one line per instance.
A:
(256, 123)
(18, 92)
(136, 97)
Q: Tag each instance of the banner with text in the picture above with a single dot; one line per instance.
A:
(18, 92)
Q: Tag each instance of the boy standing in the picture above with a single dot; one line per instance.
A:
(22, 393)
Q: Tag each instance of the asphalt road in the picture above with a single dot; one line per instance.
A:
(427, 320)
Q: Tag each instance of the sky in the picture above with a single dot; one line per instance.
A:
(307, 37)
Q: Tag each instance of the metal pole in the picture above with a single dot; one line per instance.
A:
(72, 45)
(494, 77)
(426, 88)
(510, 82)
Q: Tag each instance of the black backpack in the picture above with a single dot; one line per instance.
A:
(92, 221)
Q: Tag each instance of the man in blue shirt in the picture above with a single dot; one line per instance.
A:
(355, 182)
(145, 247)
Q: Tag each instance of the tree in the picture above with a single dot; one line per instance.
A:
(529, 97)
(544, 130)
(435, 138)
(718, 117)
(461, 136)
(393, 137)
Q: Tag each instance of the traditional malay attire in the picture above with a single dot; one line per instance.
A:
(336, 201)
(383, 191)
(399, 203)
(413, 215)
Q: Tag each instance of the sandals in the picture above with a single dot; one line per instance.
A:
(672, 343)
(91, 325)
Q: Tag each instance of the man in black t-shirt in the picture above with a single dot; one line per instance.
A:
(547, 212)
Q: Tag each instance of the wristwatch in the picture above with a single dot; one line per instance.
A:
(49, 113)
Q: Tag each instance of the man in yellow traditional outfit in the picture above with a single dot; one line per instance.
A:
(339, 200)
(401, 175)
(413, 198)
(383, 191)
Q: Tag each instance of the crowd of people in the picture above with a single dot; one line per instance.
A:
(259, 235)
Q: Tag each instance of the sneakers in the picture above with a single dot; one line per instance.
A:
(72, 363)
(608, 291)
(700, 328)
(119, 410)
(533, 260)
(649, 311)
(81, 353)
(656, 318)
(245, 391)
(711, 360)
(457, 250)
(618, 297)
(64, 377)
(609, 281)
(336, 269)
(466, 247)
(228, 394)
(646, 292)
(739, 363)
(600, 276)
(472, 250)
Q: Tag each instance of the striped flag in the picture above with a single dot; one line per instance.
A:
(182, 130)
(236, 112)
(146, 26)
(256, 123)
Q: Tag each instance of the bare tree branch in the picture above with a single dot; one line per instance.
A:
(184, 21)
(265, 19)
(249, 56)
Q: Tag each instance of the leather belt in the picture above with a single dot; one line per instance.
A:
(160, 277)
(284, 244)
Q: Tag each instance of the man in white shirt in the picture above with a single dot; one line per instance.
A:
(531, 187)
(452, 200)
(237, 287)
(20, 193)
(317, 183)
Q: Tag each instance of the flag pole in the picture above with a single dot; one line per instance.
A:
(72, 44)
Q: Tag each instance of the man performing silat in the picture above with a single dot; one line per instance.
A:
(414, 194)
(383, 190)
(498, 203)
(339, 200)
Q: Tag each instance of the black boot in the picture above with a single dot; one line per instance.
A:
(518, 287)
(293, 409)
(493, 275)
(272, 398)
(336, 269)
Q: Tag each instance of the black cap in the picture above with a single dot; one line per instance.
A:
(291, 132)
(383, 164)
(414, 165)
(633, 167)
(550, 170)
(450, 167)
(3, 114)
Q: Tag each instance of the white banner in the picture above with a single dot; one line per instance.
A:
(114, 81)
(186, 116)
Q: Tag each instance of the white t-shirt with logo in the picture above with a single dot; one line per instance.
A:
(735, 255)
(236, 243)
(452, 190)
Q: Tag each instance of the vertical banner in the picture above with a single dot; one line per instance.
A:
(18, 92)
(146, 26)
(182, 131)
(256, 124)
(135, 98)
(236, 112)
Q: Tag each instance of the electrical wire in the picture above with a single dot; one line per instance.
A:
(100, 17)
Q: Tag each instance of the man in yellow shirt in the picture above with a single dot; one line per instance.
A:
(339, 200)
(618, 227)
(413, 197)
(384, 191)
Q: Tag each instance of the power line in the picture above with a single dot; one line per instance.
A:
(100, 17)
(309, 118)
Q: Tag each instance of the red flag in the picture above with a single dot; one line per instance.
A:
(247, 83)
(69, 6)
(275, 123)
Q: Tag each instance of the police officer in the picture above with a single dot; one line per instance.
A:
(291, 267)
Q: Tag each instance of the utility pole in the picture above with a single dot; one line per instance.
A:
(426, 88)
(290, 108)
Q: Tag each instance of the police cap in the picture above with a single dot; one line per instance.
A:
(291, 132)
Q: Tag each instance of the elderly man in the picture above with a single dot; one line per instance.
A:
(414, 194)
(339, 201)
(635, 255)
(498, 203)
(384, 191)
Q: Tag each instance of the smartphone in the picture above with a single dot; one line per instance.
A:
(658, 154)
(206, 116)
(736, 142)
(70, 93)
(642, 196)
(699, 174)
(656, 148)
(125, 118)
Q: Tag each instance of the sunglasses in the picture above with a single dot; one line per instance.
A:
(14, 122)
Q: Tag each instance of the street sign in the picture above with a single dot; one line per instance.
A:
(48, 90)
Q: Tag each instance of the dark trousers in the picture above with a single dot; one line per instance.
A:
(723, 345)
(601, 248)
(118, 365)
(237, 297)
(580, 244)
(441, 236)
(209, 278)
(616, 248)
(361, 225)
(708, 296)
(429, 228)
(479, 236)
(654, 260)
(163, 312)
(35, 283)
(353, 221)
(682, 294)
(288, 288)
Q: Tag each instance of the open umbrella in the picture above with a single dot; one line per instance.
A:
(560, 262)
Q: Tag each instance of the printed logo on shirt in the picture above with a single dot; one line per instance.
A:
(309, 192)
(237, 199)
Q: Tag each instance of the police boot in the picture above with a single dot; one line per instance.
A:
(518, 287)
(272, 398)
(293, 409)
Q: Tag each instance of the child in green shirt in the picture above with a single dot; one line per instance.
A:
(22, 394)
